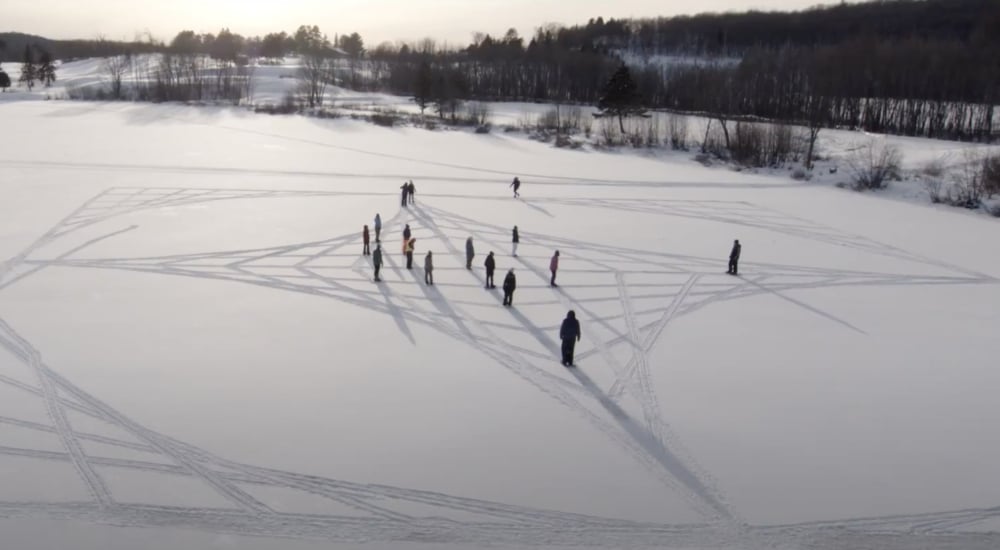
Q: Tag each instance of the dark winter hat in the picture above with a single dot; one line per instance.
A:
(571, 314)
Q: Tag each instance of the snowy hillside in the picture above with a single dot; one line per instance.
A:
(193, 353)
(923, 161)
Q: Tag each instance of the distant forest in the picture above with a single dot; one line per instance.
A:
(913, 67)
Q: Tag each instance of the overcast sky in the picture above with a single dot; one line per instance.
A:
(376, 20)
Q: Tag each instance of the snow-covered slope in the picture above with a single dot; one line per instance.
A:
(193, 353)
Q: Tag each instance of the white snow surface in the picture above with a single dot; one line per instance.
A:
(193, 353)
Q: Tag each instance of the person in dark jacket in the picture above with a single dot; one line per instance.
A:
(734, 258)
(428, 269)
(570, 335)
(509, 284)
(516, 184)
(404, 193)
(377, 260)
(470, 253)
(412, 191)
(553, 267)
(366, 238)
(491, 266)
(410, 246)
(406, 236)
(378, 228)
(516, 239)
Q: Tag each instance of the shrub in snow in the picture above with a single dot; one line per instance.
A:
(933, 187)
(801, 174)
(977, 178)
(386, 119)
(935, 168)
(760, 145)
(873, 164)
(991, 175)
(704, 158)
(677, 129)
(478, 114)
(715, 142)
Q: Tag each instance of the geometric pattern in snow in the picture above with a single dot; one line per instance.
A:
(652, 290)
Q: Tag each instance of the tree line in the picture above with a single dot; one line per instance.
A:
(915, 67)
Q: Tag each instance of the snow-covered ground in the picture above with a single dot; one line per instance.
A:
(922, 160)
(193, 354)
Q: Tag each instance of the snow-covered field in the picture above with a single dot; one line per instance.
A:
(193, 354)
(272, 84)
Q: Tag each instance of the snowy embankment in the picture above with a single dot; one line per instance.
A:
(927, 166)
(193, 353)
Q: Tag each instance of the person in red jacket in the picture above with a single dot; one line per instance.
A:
(366, 238)
(553, 267)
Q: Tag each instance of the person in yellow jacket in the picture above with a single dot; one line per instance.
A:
(410, 245)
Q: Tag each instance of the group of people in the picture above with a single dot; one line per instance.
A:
(569, 331)
(508, 286)
(407, 190)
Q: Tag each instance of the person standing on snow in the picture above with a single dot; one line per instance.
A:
(516, 184)
(404, 191)
(516, 239)
(410, 245)
(378, 228)
(406, 236)
(509, 284)
(734, 258)
(428, 269)
(365, 238)
(412, 190)
(569, 333)
(491, 266)
(377, 260)
(470, 253)
(553, 267)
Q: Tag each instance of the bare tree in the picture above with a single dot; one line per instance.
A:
(315, 73)
(116, 67)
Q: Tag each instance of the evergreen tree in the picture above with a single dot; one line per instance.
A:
(310, 40)
(620, 98)
(4, 80)
(353, 45)
(274, 45)
(227, 46)
(46, 72)
(28, 71)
